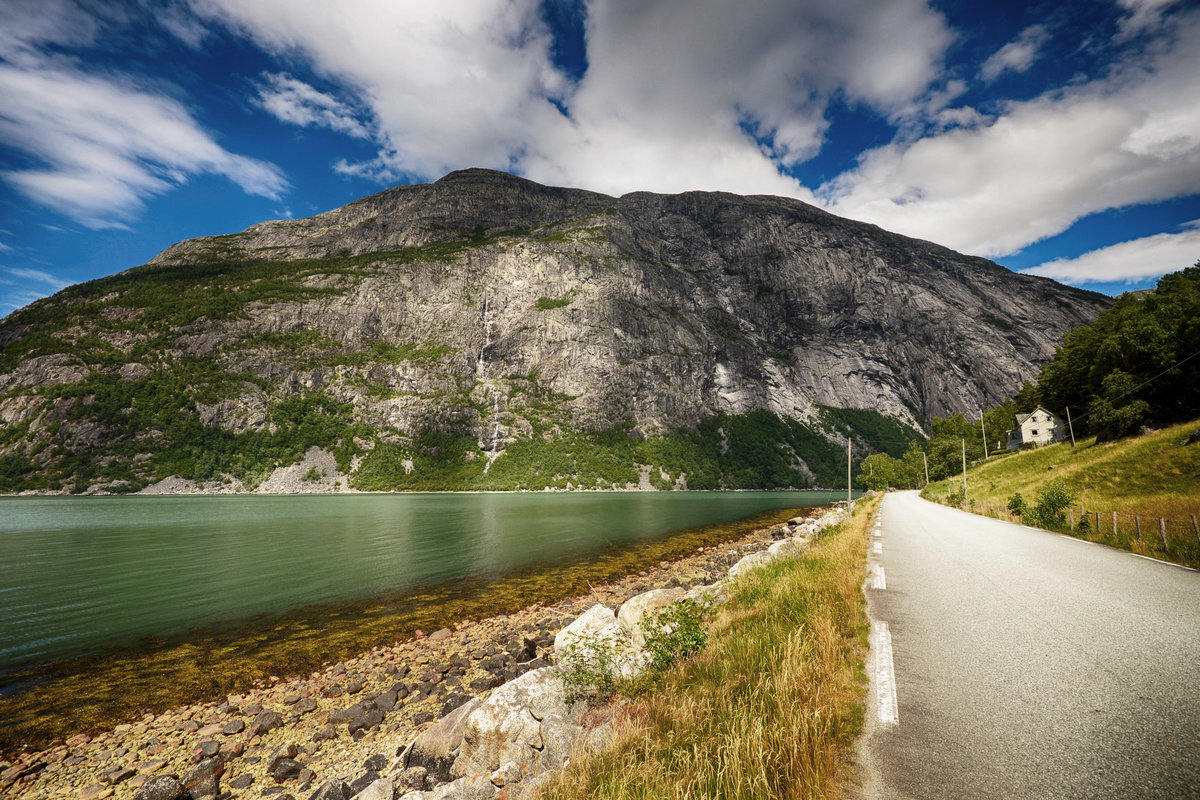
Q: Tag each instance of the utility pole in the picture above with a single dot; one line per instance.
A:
(1069, 425)
(926, 460)
(964, 451)
(984, 429)
(848, 498)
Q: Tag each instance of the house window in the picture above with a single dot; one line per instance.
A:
(1033, 433)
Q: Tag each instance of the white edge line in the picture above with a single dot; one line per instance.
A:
(885, 676)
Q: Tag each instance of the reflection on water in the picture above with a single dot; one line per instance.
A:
(80, 573)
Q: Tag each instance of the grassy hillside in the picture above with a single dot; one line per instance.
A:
(1141, 478)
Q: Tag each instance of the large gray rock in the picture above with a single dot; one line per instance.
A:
(750, 562)
(202, 782)
(784, 549)
(633, 612)
(597, 621)
(332, 789)
(526, 721)
(382, 789)
(436, 747)
(160, 787)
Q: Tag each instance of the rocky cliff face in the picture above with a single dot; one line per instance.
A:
(484, 306)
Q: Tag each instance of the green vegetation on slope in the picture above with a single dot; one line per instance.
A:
(1151, 476)
(770, 708)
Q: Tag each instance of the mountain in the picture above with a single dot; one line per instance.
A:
(484, 331)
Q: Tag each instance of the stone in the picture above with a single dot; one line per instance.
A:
(332, 789)
(160, 787)
(526, 721)
(440, 635)
(598, 620)
(363, 781)
(633, 612)
(416, 778)
(243, 781)
(507, 774)
(355, 686)
(436, 747)
(305, 706)
(286, 769)
(380, 789)
(750, 562)
(375, 763)
(286, 750)
(265, 721)
(785, 548)
(233, 727)
(202, 781)
(205, 750)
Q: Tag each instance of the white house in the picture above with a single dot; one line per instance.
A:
(1036, 428)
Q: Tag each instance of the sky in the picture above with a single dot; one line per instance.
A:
(1058, 138)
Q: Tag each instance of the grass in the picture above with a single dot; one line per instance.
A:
(770, 709)
(91, 694)
(1147, 477)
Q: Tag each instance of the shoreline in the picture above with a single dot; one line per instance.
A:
(417, 680)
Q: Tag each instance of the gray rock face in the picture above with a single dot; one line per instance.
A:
(436, 747)
(525, 721)
(633, 611)
(657, 309)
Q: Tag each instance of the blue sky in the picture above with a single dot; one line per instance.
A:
(1062, 138)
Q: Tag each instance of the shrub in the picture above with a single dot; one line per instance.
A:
(1050, 509)
(956, 498)
(589, 668)
(1016, 505)
(676, 632)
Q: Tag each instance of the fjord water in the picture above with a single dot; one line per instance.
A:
(77, 574)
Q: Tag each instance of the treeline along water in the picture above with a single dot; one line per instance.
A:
(78, 574)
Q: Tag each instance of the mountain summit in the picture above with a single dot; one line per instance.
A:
(486, 331)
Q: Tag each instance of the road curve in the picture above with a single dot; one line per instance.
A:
(1025, 664)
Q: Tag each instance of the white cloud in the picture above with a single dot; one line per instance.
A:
(39, 276)
(1131, 261)
(1132, 137)
(1144, 16)
(670, 91)
(294, 101)
(1016, 56)
(107, 144)
(98, 144)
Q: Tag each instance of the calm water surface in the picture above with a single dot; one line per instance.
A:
(81, 573)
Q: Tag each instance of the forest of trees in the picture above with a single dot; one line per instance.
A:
(1137, 364)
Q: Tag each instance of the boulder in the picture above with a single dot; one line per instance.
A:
(784, 549)
(526, 721)
(750, 562)
(382, 789)
(436, 747)
(202, 782)
(597, 620)
(634, 610)
(160, 787)
(332, 789)
(265, 721)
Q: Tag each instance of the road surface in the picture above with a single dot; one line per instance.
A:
(1008, 662)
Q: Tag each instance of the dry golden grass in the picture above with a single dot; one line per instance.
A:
(770, 709)
(1147, 477)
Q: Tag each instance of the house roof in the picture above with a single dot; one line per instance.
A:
(1022, 417)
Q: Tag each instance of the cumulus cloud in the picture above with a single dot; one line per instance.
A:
(1128, 262)
(1131, 137)
(294, 101)
(1142, 16)
(677, 95)
(1016, 56)
(98, 144)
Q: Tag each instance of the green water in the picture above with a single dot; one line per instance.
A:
(77, 574)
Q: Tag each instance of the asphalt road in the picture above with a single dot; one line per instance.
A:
(1026, 664)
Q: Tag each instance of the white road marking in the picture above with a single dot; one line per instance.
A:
(878, 579)
(878, 549)
(885, 675)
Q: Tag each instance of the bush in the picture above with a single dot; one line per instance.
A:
(956, 498)
(1016, 505)
(676, 632)
(589, 668)
(1050, 510)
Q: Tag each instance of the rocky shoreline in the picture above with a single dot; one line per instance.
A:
(332, 734)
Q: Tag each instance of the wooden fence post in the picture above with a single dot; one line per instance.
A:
(1196, 528)
(1114, 526)
(1162, 531)
(1070, 519)
(1098, 525)
(1137, 522)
